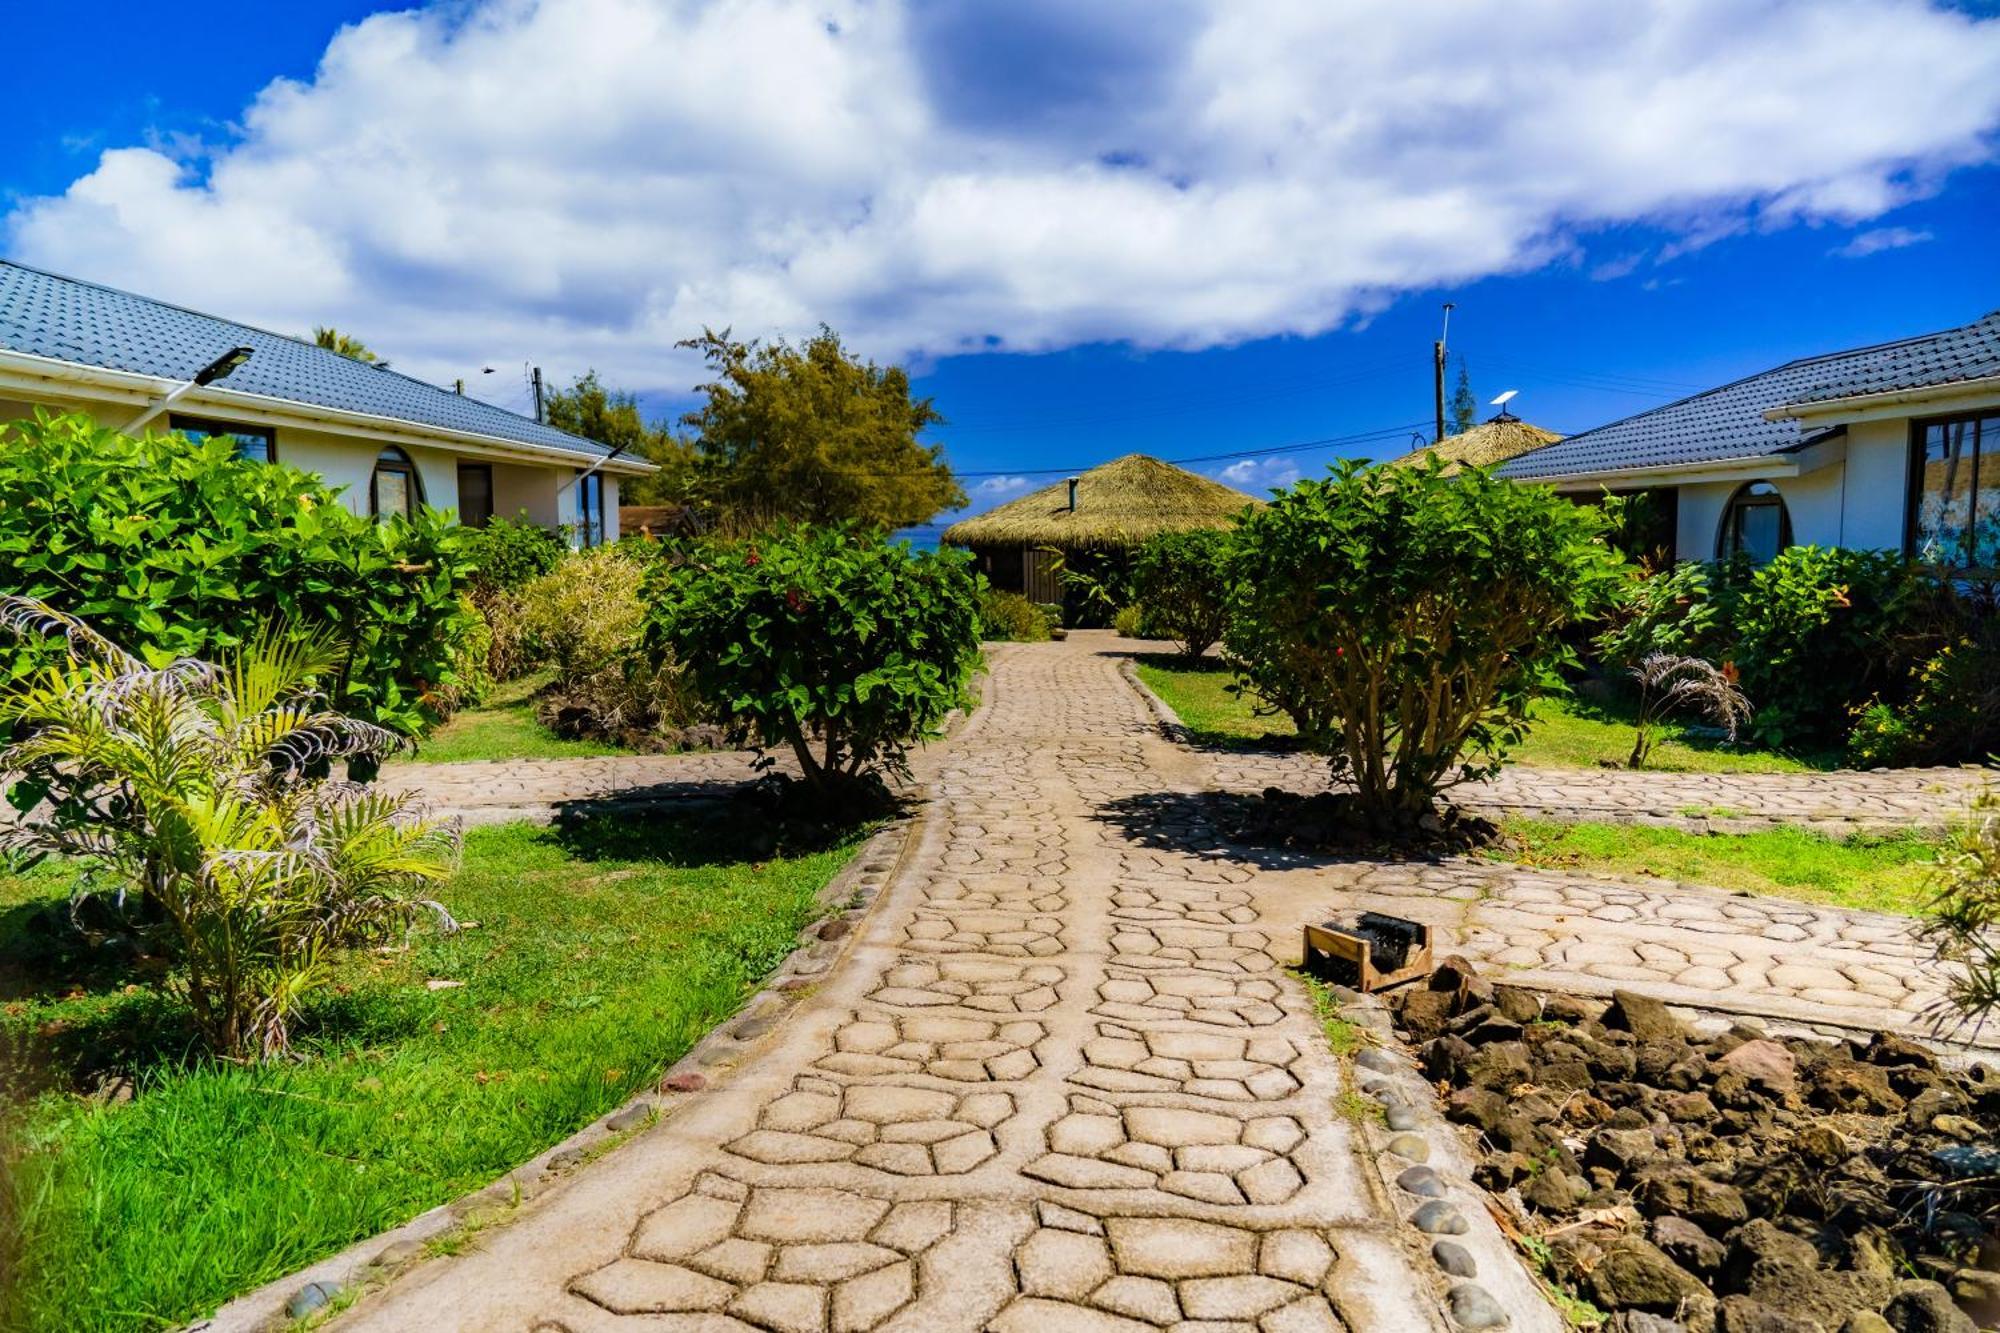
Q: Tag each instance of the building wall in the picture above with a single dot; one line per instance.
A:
(1859, 501)
(521, 490)
(1699, 518)
(349, 463)
(1878, 482)
(546, 494)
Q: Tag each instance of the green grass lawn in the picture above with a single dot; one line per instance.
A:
(1567, 733)
(1882, 873)
(599, 956)
(503, 726)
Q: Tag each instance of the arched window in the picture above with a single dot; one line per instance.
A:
(395, 487)
(1755, 523)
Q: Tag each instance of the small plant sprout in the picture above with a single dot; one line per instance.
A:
(1671, 683)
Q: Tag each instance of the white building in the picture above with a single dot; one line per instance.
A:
(391, 441)
(1894, 448)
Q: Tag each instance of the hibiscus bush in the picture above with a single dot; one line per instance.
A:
(177, 548)
(1406, 619)
(1181, 580)
(827, 642)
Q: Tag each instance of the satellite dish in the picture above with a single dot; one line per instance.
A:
(1502, 401)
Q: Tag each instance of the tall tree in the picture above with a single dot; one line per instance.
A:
(349, 346)
(816, 434)
(611, 417)
(1464, 407)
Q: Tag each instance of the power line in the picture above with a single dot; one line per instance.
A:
(1270, 451)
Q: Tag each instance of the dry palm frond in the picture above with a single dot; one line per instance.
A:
(1670, 683)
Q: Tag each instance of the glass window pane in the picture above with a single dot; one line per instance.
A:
(392, 492)
(1986, 506)
(1944, 494)
(1758, 534)
(475, 495)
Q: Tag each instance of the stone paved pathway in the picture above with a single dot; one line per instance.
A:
(1834, 803)
(1061, 1082)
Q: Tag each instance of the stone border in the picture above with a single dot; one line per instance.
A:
(1164, 716)
(368, 1265)
(1425, 1172)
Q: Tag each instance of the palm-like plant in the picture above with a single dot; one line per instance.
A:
(1669, 683)
(192, 784)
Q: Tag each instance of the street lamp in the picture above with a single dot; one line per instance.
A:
(220, 368)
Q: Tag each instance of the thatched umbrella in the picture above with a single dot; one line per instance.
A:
(1485, 445)
(1108, 511)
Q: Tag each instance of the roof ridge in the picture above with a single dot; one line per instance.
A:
(308, 344)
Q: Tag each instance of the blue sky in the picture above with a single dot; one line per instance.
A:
(1157, 231)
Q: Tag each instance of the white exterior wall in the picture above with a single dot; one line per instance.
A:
(546, 493)
(1858, 500)
(521, 490)
(1878, 483)
(1699, 517)
(349, 463)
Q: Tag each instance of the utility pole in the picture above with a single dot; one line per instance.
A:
(1437, 369)
(458, 387)
(539, 418)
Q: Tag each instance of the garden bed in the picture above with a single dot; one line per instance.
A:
(1567, 732)
(1738, 1181)
(1879, 872)
(149, 1186)
(505, 725)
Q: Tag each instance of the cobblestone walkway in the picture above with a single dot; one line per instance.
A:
(1061, 1082)
(538, 789)
(1831, 802)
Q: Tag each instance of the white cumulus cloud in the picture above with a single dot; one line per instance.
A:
(1257, 475)
(993, 488)
(583, 182)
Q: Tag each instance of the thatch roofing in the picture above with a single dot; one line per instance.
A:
(1485, 445)
(1118, 504)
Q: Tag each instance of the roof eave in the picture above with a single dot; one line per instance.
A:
(1874, 403)
(1684, 474)
(28, 371)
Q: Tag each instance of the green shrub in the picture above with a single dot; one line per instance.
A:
(1949, 713)
(508, 552)
(1181, 579)
(829, 642)
(583, 612)
(1675, 611)
(1131, 622)
(180, 549)
(185, 788)
(1010, 616)
(472, 674)
(1406, 620)
(1815, 633)
(1962, 924)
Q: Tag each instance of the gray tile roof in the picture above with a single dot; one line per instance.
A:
(46, 315)
(1728, 423)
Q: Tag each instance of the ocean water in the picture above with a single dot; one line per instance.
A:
(924, 536)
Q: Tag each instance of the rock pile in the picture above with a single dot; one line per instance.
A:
(1740, 1183)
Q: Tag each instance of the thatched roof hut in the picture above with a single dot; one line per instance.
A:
(1485, 445)
(1112, 508)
